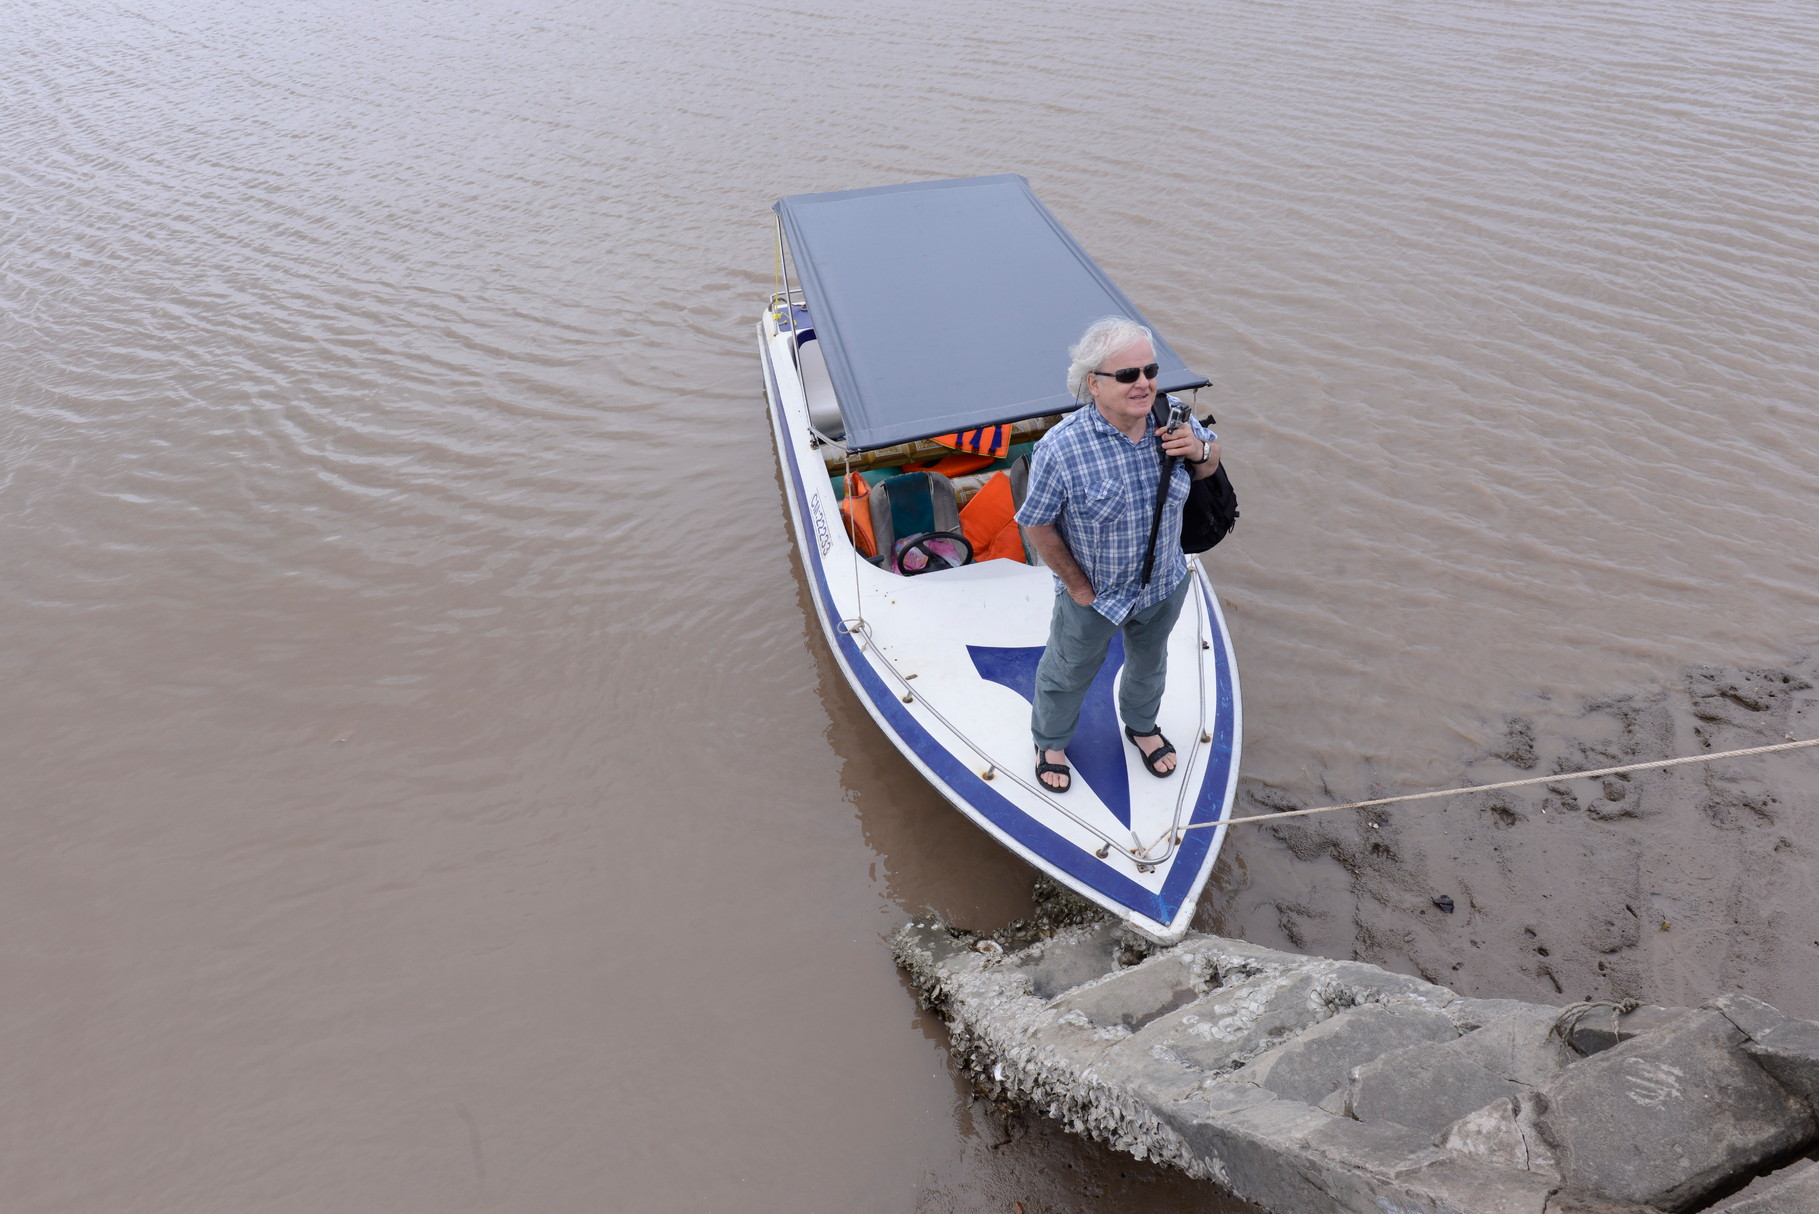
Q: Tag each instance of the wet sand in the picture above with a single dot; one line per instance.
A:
(1668, 886)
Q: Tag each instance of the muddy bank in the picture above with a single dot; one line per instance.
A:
(1667, 886)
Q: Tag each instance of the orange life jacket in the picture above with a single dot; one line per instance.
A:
(953, 465)
(989, 523)
(994, 441)
(856, 512)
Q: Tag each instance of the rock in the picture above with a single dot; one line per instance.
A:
(1444, 903)
(1233, 1024)
(1521, 1047)
(1320, 1060)
(930, 953)
(1452, 1184)
(1666, 1118)
(1289, 1157)
(1256, 1153)
(1426, 1086)
(1138, 995)
(1073, 958)
(1210, 1056)
(1790, 1052)
(1599, 1030)
(1504, 1134)
(1469, 1014)
(1792, 1190)
(1578, 1203)
(1357, 982)
(1750, 1014)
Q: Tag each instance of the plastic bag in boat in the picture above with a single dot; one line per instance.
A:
(930, 551)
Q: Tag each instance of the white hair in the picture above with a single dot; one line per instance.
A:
(1104, 335)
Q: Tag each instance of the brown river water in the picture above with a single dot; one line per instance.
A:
(424, 785)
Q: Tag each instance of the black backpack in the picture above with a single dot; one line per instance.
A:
(1212, 505)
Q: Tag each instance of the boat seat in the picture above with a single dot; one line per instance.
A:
(916, 524)
(1019, 474)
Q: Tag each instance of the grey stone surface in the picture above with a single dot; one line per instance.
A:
(1208, 1057)
(1380, 1149)
(1748, 1013)
(1455, 1186)
(1599, 1030)
(1254, 1151)
(1793, 1190)
(1369, 984)
(1071, 959)
(924, 948)
(1134, 997)
(1432, 1086)
(1469, 1014)
(1578, 1203)
(1289, 1157)
(1424, 1086)
(1504, 1134)
(1521, 1047)
(1667, 1118)
(1790, 1052)
(1233, 1024)
(1319, 1061)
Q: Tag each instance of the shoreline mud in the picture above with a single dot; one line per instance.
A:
(1666, 886)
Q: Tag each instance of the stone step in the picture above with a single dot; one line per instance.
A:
(1430, 1086)
(1313, 1086)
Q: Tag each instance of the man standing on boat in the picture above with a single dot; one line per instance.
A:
(1093, 483)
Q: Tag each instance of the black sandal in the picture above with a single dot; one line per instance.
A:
(1045, 768)
(1155, 756)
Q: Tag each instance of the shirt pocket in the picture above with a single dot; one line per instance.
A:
(1178, 486)
(1099, 504)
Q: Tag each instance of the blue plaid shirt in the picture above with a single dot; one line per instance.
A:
(1099, 488)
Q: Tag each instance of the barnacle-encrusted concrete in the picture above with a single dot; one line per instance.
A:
(1309, 1086)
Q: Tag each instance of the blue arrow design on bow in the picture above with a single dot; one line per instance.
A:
(1097, 751)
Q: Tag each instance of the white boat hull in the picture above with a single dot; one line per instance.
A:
(945, 663)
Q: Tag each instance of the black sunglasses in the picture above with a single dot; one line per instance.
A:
(1128, 375)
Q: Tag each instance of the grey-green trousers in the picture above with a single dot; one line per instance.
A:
(1077, 640)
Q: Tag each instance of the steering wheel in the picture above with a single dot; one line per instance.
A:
(936, 560)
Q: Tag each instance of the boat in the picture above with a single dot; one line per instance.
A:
(909, 325)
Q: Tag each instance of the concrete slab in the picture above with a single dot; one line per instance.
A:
(1425, 1086)
(1748, 1013)
(1132, 998)
(1666, 1118)
(1503, 1134)
(1521, 1047)
(1469, 1014)
(1790, 1053)
(1254, 1152)
(1599, 1030)
(1209, 1057)
(1071, 959)
(1370, 984)
(925, 946)
(1793, 1190)
(1320, 1060)
(1456, 1186)
(1579, 1203)
(1233, 1024)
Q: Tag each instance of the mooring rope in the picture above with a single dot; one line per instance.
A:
(1553, 779)
(1570, 1016)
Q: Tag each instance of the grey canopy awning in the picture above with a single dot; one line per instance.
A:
(945, 305)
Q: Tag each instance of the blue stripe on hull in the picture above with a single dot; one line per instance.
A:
(962, 784)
